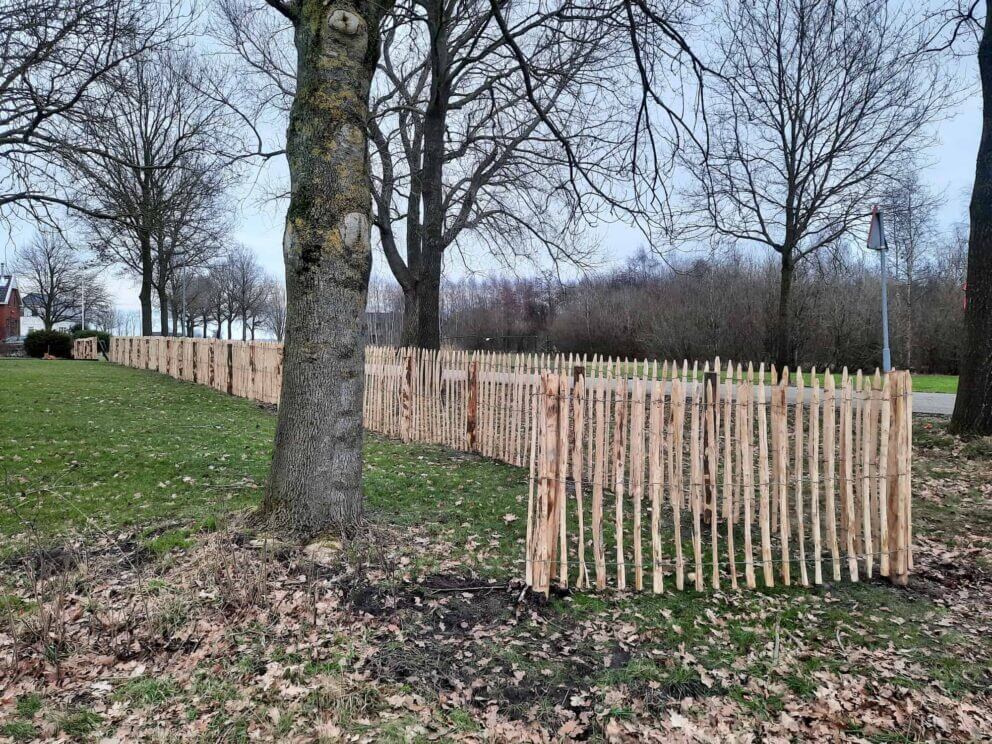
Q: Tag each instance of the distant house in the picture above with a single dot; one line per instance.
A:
(10, 306)
(32, 315)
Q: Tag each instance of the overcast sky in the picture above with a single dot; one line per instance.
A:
(950, 169)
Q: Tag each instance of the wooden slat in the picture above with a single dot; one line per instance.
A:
(798, 468)
(883, 477)
(745, 426)
(656, 480)
(847, 478)
(696, 482)
(599, 479)
(814, 474)
(675, 475)
(637, 476)
(728, 475)
(764, 514)
(578, 418)
(619, 462)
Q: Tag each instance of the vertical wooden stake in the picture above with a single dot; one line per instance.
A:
(728, 475)
(598, 481)
(847, 435)
(656, 480)
(619, 460)
(798, 465)
(814, 473)
(829, 451)
(675, 475)
(561, 476)
(763, 485)
(578, 417)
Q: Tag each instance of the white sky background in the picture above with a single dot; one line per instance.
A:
(950, 170)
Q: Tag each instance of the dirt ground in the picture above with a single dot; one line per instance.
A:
(232, 637)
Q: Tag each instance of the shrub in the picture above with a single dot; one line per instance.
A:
(103, 338)
(56, 343)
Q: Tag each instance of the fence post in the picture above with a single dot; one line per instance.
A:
(711, 381)
(230, 367)
(899, 480)
(547, 529)
(252, 394)
(472, 415)
(406, 397)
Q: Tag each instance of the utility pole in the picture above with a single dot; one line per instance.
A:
(876, 242)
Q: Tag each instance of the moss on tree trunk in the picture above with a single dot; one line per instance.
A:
(315, 484)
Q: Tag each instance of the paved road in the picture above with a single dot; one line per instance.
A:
(929, 403)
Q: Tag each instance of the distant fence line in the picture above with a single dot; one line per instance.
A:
(702, 478)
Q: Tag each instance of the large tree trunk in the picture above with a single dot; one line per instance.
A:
(315, 484)
(145, 295)
(973, 407)
(422, 307)
(422, 302)
(783, 319)
(163, 311)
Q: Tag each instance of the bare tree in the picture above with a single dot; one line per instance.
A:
(56, 281)
(249, 288)
(493, 128)
(273, 310)
(158, 173)
(910, 211)
(816, 104)
(463, 156)
(54, 56)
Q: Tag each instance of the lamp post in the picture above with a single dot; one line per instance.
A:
(876, 242)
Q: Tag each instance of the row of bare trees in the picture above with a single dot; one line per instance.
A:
(723, 306)
(233, 291)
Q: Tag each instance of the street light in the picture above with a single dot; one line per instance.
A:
(876, 242)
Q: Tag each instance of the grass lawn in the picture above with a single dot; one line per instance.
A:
(139, 605)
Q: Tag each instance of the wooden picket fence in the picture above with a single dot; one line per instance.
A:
(719, 483)
(720, 477)
(85, 348)
(247, 369)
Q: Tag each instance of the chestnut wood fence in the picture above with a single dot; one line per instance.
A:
(642, 475)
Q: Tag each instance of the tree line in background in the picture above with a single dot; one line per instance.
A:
(722, 306)
(231, 293)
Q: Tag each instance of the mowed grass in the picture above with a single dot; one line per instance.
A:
(93, 446)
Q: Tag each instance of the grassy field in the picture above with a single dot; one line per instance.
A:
(139, 605)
